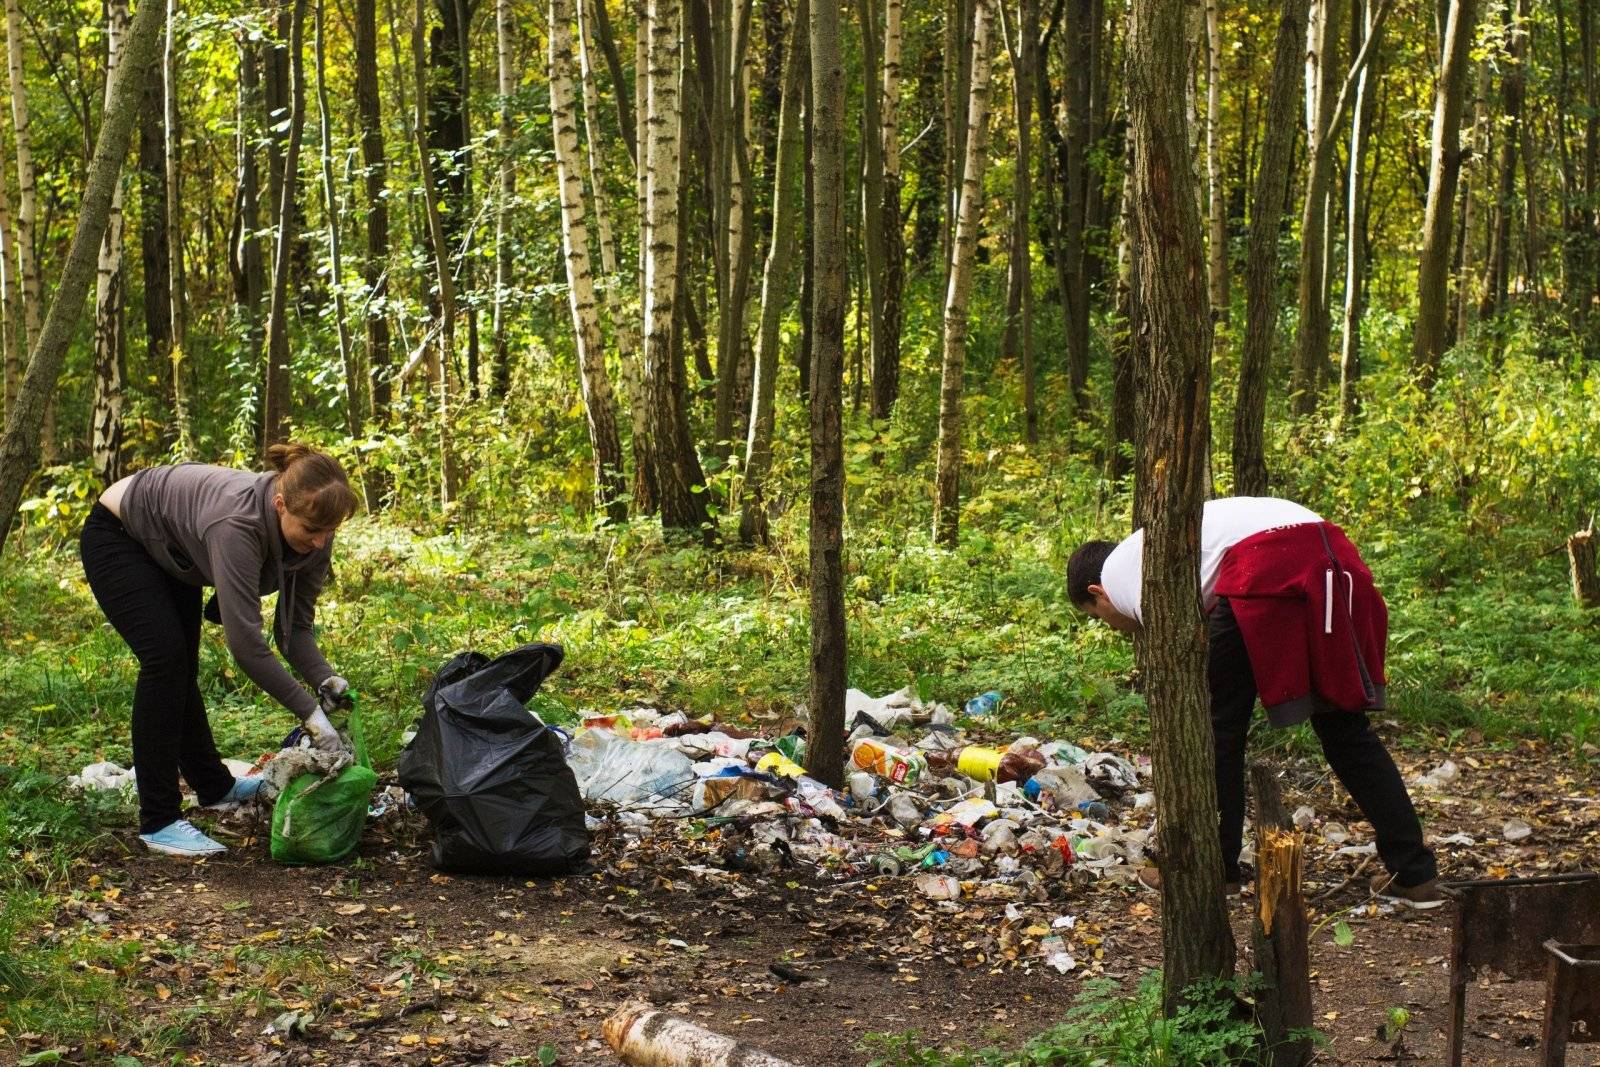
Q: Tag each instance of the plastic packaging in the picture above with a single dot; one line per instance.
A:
(779, 764)
(984, 704)
(319, 818)
(650, 774)
(897, 765)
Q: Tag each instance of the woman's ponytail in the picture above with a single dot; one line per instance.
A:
(314, 486)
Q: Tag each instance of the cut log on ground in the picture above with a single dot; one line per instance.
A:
(644, 1037)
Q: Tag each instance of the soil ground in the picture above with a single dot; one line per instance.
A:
(398, 963)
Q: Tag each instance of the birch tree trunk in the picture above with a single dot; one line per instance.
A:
(1169, 257)
(947, 506)
(20, 445)
(251, 285)
(178, 290)
(1019, 297)
(353, 403)
(440, 246)
(500, 377)
(825, 757)
(1476, 160)
(886, 333)
(679, 480)
(375, 175)
(1217, 212)
(777, 278)
(731, 160)
(276, 398)
(157, 272)
(10, 303)
(110, 340)
(622, 324)
(1261, 256)
(1075, 182)
(1357, 253)
(27, 209)
(609, 474)
(1512, 90)
(1444, 169)
(1322, 84)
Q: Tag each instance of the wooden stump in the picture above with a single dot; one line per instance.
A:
(1279, 940)
(1585, 584)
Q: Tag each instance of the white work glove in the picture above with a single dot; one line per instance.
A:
(333, 693)
(323, 735)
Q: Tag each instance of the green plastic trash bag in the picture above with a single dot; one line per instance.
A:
(318, 818)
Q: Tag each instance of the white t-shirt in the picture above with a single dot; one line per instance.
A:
(1223, 524)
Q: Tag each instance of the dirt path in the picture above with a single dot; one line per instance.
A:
(399, 963)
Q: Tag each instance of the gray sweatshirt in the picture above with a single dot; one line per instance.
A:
(217, 526)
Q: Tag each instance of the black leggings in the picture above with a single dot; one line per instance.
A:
(159, 617)
(1353, 750)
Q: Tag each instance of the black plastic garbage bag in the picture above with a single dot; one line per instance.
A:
(490, 776)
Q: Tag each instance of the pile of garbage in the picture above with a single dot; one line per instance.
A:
(922, 801)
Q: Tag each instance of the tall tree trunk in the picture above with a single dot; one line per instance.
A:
(1322, 85)
(353, 401)
(500, 379)
(1075, 202)
(1217, 212)
(375, 174)
(928, 230)
(154, 252)
(27, 210)
(732, 159)
(679, 480)
(825, 758)
(276, 400)
(952, 372)
(886, 329)
(610, 478)
(450, 137)
(621, 323)
(1475, 163)
(777, 277)
(1512, 89)
(808, 259)
(1019, 297)
(874, 181)
(110, 339)
(1261, 255)
(250, 285)
(1125, 363)
(1357, 250)
(1169, 256)
(440, 245)
(1589, 285)
(11, 350)
(178, 290)
(20, 445)
(957, 66)
(1444, 168)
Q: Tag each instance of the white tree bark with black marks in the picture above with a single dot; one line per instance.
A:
(623, 325)
(20, 444)
(947, 506)
(353, 403)
(1217, 216)
(27, 209)
(177, 291)
(609, 480)
(503, 265)
(105, 417)
(777, 278)
(10, 302)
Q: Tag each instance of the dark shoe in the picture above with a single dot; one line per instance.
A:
(1420, 897)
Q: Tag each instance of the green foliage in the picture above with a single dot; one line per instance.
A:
(1107, 1028)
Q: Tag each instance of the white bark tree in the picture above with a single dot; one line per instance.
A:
(105, 418)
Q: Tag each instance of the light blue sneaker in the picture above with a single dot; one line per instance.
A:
(244, 790)
(182, 839)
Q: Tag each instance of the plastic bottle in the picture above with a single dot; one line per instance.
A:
(1096, 810)
(984, 703)
(990, 764)
(899, 766)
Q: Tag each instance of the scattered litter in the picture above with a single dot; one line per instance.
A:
(1304, 816)
(1463, 840)
(102, 776)
(1516, 830)
(1441, 775)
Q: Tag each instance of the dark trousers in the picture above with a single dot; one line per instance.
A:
(1352, 749)
(159, 617)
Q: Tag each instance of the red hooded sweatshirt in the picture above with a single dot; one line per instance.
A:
(1313, 623)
